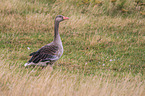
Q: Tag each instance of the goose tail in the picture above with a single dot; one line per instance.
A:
(28, 64)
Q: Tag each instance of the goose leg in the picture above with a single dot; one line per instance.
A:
(50, 67)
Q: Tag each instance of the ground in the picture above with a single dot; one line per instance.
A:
(104, 47)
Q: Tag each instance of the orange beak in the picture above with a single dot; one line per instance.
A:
(65, 18)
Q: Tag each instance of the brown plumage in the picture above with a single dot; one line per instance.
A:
(51, 52)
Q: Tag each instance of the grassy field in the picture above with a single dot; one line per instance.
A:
(104, 47)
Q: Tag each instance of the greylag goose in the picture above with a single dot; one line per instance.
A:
(51, 52)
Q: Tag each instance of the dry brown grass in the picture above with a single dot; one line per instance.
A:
(90, 37)
(59, 83)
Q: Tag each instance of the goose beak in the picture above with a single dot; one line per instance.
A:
(65, 18)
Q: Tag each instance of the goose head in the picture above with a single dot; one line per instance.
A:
(60, 18)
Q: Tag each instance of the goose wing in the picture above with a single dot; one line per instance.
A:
(46, 53)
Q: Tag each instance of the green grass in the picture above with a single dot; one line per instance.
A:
(98, 39)
(87, 39)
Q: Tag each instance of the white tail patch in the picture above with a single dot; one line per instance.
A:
(36, 64)
(29, 64)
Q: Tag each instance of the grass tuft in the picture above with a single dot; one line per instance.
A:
(103, 47)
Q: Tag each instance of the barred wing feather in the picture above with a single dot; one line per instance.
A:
(46, 53)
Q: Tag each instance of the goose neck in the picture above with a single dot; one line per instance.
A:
(56, 33)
